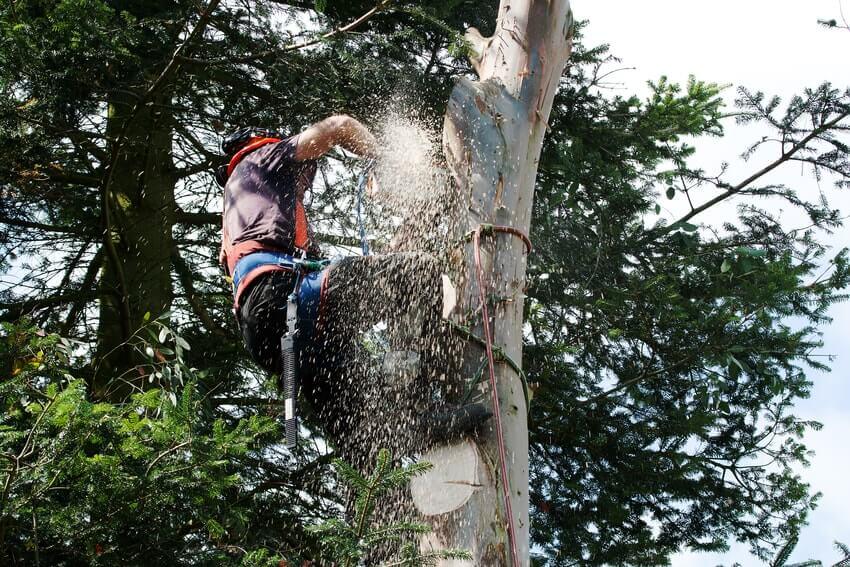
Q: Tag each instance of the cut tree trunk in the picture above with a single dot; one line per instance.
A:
(492, 136)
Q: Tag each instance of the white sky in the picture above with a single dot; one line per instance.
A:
(775, 46)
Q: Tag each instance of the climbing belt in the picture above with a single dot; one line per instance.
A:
(487, 229)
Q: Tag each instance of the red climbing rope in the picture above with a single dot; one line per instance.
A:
(488, 344)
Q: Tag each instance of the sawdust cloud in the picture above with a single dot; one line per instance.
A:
(404, 364)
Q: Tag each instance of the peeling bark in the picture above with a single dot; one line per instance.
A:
(493, 134)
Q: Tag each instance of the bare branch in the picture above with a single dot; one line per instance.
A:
(184, 274)
(295, 46)
(88, 283)
(16, 309)
(199, 219)
(20, 223)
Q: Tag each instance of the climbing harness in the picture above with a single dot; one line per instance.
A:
(250, 262)
(488, 229)
(302, 305)
(361, 189)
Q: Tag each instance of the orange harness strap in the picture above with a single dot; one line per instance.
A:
(257, 143)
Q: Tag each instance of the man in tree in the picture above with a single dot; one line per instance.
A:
(266, 236)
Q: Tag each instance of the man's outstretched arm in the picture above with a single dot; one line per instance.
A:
(341, 130)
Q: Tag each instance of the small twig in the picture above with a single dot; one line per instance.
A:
(166, 453)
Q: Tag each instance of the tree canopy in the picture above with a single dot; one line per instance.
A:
(664, 357)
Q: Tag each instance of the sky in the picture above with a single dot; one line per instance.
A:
(775, 46)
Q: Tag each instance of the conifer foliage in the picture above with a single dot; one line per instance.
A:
(349, 542)
(149, 481)
(664, 352)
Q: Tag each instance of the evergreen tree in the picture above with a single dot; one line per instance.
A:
(662, 356)
(111, 117)
(665, 360)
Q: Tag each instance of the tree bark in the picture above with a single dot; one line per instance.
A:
(493, 134)
(142, 217)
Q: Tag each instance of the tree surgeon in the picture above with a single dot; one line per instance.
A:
(270, 253)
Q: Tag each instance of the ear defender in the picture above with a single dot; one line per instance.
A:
(220, 174)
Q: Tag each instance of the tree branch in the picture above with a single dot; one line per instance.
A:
(786, 156)
(295, 46)
(165, 454)
(184, 274)
(45, 227)
(193, 169)
(88, 282)
(55, 173)
(16, 309)
(199, 219)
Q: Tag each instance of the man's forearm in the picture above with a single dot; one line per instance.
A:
(355, 137)
(340, 130)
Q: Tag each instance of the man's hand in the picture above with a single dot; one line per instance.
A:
(341, 130)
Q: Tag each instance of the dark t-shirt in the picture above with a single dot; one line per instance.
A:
(264, 203)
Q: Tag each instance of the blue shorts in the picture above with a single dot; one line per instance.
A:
(311, 294)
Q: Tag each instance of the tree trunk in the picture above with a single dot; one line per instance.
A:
(142, 217)
(493, 135)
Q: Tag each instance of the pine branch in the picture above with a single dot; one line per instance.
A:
(20, 223)
(784, 552)
(184, 274)
(16, 309)
(735, 189)
(845, 550)
(88, 283)
(346, 544)
(194, 169)
(199, 219)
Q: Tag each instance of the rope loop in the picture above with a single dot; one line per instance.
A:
(486, 229)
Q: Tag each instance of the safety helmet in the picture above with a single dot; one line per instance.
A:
(234, 141)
